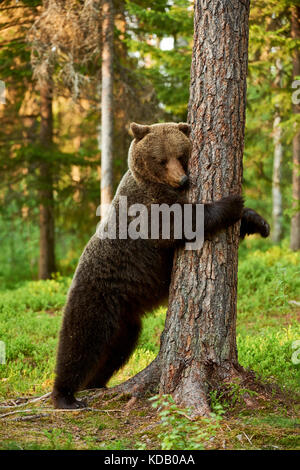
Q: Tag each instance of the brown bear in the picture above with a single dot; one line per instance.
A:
(119, 279)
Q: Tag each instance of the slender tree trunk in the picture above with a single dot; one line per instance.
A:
(120, 97)
(277, 164)
(198, 346)
(46, 209)
(276, 190)
(107, 104)
(295, 224)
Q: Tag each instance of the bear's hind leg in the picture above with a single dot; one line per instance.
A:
(73, 370)
(87, 331)
(118, 354)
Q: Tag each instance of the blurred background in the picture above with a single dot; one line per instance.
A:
(54, 58)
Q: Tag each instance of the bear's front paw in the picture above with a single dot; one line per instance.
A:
(252, 222)
(264, 228)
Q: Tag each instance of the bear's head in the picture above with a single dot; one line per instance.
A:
(160, 153)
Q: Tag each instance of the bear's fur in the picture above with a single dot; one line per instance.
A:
(118, 280)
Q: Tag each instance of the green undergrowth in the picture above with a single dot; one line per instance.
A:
(267, 330)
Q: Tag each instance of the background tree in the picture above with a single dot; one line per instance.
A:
(46, 210)
(270, 45)
(19, 134)
(295, 224)
(107, 103)
(277, 165)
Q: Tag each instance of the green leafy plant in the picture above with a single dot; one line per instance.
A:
(180, 431)
(232, 394)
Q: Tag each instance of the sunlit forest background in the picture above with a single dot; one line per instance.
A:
(58, 45)
(51, 168)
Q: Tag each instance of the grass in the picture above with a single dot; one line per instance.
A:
(268, 324)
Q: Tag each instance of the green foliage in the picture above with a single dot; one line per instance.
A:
(267, 325)
(268, 279)
(269, 93)
(232, 394)
(179, 430)
(271, 352)
(29, 322)
(153, 47)
(267, 321)
(151, 84)
(18, 256)
(168, 69)
(152, 326)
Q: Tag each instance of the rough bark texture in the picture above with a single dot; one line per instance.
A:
(46, 209)
(295, 224)
(107, 104)
(199, 349)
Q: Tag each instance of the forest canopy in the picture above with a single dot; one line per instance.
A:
(60, 44)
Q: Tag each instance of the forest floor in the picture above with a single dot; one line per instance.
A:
(268, 425)
(267, 331)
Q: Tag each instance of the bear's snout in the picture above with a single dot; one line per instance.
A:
(175, 173)
(184, 180)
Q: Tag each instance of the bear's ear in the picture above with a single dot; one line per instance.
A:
(185, 128)
(138, 130)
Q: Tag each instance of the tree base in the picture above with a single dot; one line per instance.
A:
(230, 382)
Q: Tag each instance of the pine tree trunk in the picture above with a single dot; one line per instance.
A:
(200, 334)
(46, 209)
(198, 346)
(295, 223)
(107, 105)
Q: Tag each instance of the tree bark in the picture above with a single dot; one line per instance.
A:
(107, 105)
(198, 346)
(46, 208)
(295, 223)
(200, 334)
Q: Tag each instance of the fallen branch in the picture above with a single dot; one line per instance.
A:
(51, 410)
(248, 438)
(31, 417)
(14, 412)
(34, 400)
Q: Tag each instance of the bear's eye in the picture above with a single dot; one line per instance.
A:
(163, 162)
(182, 160)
